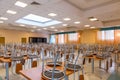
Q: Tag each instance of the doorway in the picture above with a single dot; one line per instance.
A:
(24, 40)
(2, 40)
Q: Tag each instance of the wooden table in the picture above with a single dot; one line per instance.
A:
(36, 73)
(94, 58)
(7, 61)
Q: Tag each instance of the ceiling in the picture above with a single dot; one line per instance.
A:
(78, 10)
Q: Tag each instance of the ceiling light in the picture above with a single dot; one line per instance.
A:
(55, 30)
(52, 27)
(93, 19)
(11, 12)
(65, 24)
(22, 25)
(3, 18)
(20, 4)
(52, 14)
(38, 29)
(45, 28)
(32, 30)
(36, 20)
(87, 25)
(67, 19)
(34, 27)
(92, 27)
(1, 22)
(77, 22)
(62, 31)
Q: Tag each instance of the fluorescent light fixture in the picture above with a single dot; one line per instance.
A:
(87, 25)
(22, 25)
(36, 20)
(65, 24)
(3, 18)
(11, 12)
(92, 27)
(20, 4)
(1, 21)
(52, 27)
(77, 22)
(52, 14)
(45, 28)
(66, 19)
(93, 19)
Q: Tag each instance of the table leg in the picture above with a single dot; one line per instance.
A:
(31, 62)
(7, 71)
(99, 63)
(92, 65)
(66, 77)
(115, 58)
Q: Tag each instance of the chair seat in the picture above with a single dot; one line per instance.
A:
(81, 77)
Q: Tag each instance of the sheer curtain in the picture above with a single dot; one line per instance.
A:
(73, 36)
(61, 39)
(106, 37)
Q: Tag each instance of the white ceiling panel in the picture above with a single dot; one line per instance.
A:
(77, 10)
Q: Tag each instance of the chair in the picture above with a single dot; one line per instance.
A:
(18, 67)
(34, 64)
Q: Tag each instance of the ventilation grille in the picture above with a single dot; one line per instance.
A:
(35, 3)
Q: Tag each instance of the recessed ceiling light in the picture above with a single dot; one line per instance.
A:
(77, 22)
(52, 14)
(92, 27)
(87, 25)
(32, 30)
(65, 24)
(34, 27)
(11, 12)
(55, 30)
(45, 28)
(62, 31)
(52, 27)
(93, 19)
(20, 4)
(3, 18)
(38, 29)
(22, 25)
(1, 22)
(66, 19)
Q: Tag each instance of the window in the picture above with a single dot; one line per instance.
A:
(73, 36)
(106, 35)
(52, 39)
(61, 39)
(109, 35)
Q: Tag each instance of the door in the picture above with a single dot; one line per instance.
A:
(23, 40)
(2, 40)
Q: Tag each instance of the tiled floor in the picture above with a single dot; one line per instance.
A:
(99, 74)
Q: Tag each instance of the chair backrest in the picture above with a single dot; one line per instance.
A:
(34, 64)
(18, 67)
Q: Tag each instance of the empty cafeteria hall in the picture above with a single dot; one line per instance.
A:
(59, 39)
